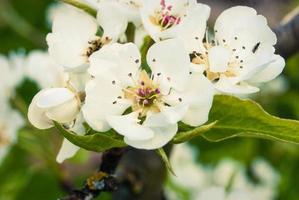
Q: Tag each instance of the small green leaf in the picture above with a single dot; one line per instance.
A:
(98, 142)
(165, 159)
(188, 135)
(245, 118)
(79, 4)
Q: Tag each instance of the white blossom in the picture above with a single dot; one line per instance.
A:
(53, 80)
(241, 53)
(73, 39)
(157, 102)
(53, 104)
(165, 19)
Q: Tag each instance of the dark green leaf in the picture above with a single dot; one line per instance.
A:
(98, 142)
(236, 117)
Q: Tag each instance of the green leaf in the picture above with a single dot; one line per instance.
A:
(245, 118)
(188, 135)
(165, 159)
(147, 43)
(98, 142)
(79, 4)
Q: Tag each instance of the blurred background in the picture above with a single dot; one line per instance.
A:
(28, 170)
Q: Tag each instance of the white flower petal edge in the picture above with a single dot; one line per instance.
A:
(162, 136)
(273, 70)
(58, 104)
(67, 150)
(69, 41)
(112, 19)
(114, 16)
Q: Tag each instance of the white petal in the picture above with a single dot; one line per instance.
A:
(218, 59)
(255, 63)
(197, 68)
(41, 68)
(200, 98)
(65, 112)
(243, 23)
(271, 71)
(74, 20)
(170, 58)
(112, 19)
(59, 104)
(191, 31)
(66, 151)
(68, 41)
(118, 59)
(54, 97)
(162, 135)
(37, 116)
(128, 126)
(102, 99)
(224, 85)
(168, 115)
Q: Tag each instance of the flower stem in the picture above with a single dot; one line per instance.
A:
(82, 6)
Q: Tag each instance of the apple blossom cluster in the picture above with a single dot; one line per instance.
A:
(109, 82)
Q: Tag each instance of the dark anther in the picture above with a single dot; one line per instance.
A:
(255, 48)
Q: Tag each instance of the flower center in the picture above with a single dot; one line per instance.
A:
(163, 17)
(95, 45)
(145, 95)
(233, 67)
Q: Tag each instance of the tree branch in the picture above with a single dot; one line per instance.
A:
(288, 35)
(103, 181)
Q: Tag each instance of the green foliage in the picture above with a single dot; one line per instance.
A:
(232, 117)
(98, 142)
(187, 135)
(165, 159)
(79, 4)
